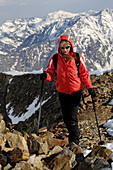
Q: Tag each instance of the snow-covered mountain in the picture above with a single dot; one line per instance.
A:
(27, 44)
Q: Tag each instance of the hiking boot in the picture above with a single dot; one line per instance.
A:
(75, 148)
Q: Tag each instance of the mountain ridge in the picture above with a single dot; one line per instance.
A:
(27, 44)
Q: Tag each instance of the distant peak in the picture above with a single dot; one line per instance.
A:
(60, 13)
(65, 12)
(107, 10)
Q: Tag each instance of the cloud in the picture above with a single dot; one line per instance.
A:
(6, 2)
(18, 2)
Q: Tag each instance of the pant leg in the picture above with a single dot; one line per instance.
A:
(74, 129)
(65, 105)
(70, 105)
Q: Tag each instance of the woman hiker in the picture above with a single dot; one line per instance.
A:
(68, 84)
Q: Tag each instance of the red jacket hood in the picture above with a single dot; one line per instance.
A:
(65, 37)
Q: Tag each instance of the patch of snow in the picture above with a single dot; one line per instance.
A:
(109, 125)
(30, 110)
(15, 73)
(86, 152)
(3, 53)
(111, 102)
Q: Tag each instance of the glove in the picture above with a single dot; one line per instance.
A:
(43, 76)
(92, 92)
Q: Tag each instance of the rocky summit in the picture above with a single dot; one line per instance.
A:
(22, 148)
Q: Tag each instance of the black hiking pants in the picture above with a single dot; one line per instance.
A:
(70, 105)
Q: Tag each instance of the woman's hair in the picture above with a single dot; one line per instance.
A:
(64, 41)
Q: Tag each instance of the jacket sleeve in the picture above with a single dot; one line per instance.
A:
(50, 70)
(84, 74)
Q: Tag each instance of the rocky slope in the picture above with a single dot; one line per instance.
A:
(20, 102)
(27, 44)
(46, 152)
(18, 93)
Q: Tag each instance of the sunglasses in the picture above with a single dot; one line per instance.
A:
(65, 47)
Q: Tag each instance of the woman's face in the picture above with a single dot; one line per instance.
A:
(65, 48)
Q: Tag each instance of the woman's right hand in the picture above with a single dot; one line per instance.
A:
(43, 76)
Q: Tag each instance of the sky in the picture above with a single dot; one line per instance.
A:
(14, 9)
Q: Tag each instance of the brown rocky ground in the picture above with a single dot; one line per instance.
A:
(20, 91)
(87, 122)
(88, 127)
(51, 146)
(46, 152)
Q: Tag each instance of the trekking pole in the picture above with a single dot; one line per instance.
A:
(41, 98)
(101, 142)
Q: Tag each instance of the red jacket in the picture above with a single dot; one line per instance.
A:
(67, 80)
